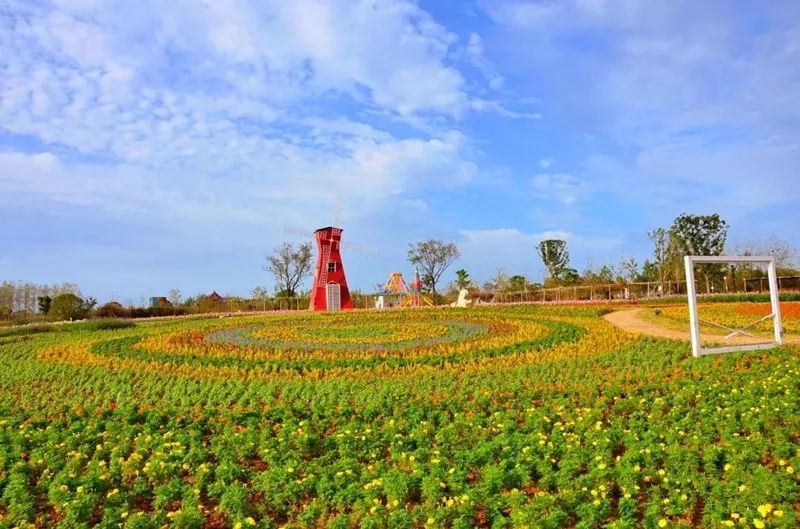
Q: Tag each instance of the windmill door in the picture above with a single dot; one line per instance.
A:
(333, 296)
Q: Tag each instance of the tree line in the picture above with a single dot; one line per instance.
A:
(290, 265)
(687, 235)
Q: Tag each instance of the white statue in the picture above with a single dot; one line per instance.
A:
(462, 301)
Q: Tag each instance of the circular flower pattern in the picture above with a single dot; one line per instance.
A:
(402, 343)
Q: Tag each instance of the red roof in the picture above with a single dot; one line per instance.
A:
(214, 296)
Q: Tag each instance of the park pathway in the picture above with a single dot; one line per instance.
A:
(630, 320)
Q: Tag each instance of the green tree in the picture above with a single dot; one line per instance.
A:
(433, 257)
(44, 303)
(289, 266)
(700, 235)
(605, 275)
(517, 283)
(71, 307)
(566, 275)
(462, 279)
(650, 273)
(628, 270)
(554, 255)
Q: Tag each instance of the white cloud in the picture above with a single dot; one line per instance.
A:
(561, 187)
(243, 100)
(687, 105)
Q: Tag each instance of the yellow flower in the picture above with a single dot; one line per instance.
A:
(765, 509)
(790, 470)
(759, 524)
(662, 522)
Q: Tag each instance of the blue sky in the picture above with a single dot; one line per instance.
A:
(154, 145)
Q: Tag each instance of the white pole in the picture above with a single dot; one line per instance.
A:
(692, 296)
(775, 301)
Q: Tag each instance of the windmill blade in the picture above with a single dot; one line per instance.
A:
(337, 210)
(297, 232)
(359, 247)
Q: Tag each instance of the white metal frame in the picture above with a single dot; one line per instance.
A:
(694, 321)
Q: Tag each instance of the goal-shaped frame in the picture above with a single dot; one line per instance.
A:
(694, 321)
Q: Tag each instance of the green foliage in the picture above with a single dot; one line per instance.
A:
(28, 329)
(462, 279)
(699, 234)
(554, 255)
(70, 307)
(102, 325)
(44, 303)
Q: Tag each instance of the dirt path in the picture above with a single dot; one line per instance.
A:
(630, 320)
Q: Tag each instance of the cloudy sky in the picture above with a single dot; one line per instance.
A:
(151, 145)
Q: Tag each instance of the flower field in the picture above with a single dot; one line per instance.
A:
(435, 418)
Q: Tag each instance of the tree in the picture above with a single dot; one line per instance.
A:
(628, 270)
(262, 294)
(605, 275)
(660, 238)
(462, 279)
(554, 255)
(289, 265)
(433, 257)
(174, 296)
(44, 303)
(700, 235)
(499, 282)
(784, 253)
(71, 307)
(517, 283)
(567, 275)
(650, 273)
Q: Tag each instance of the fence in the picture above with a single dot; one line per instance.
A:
(633, 291)
(598, 292)
(760, 284)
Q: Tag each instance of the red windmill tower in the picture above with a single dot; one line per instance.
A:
(329, 290)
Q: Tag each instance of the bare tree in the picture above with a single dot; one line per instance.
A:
(784, 253)
(433, 257)
(262, 294)
(661, 252)
(174, 296)
(289, 265)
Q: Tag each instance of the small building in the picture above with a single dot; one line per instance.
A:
(216, 298)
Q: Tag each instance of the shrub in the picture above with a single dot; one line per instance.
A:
(112, 309)
(27, 329)
(103, 325)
